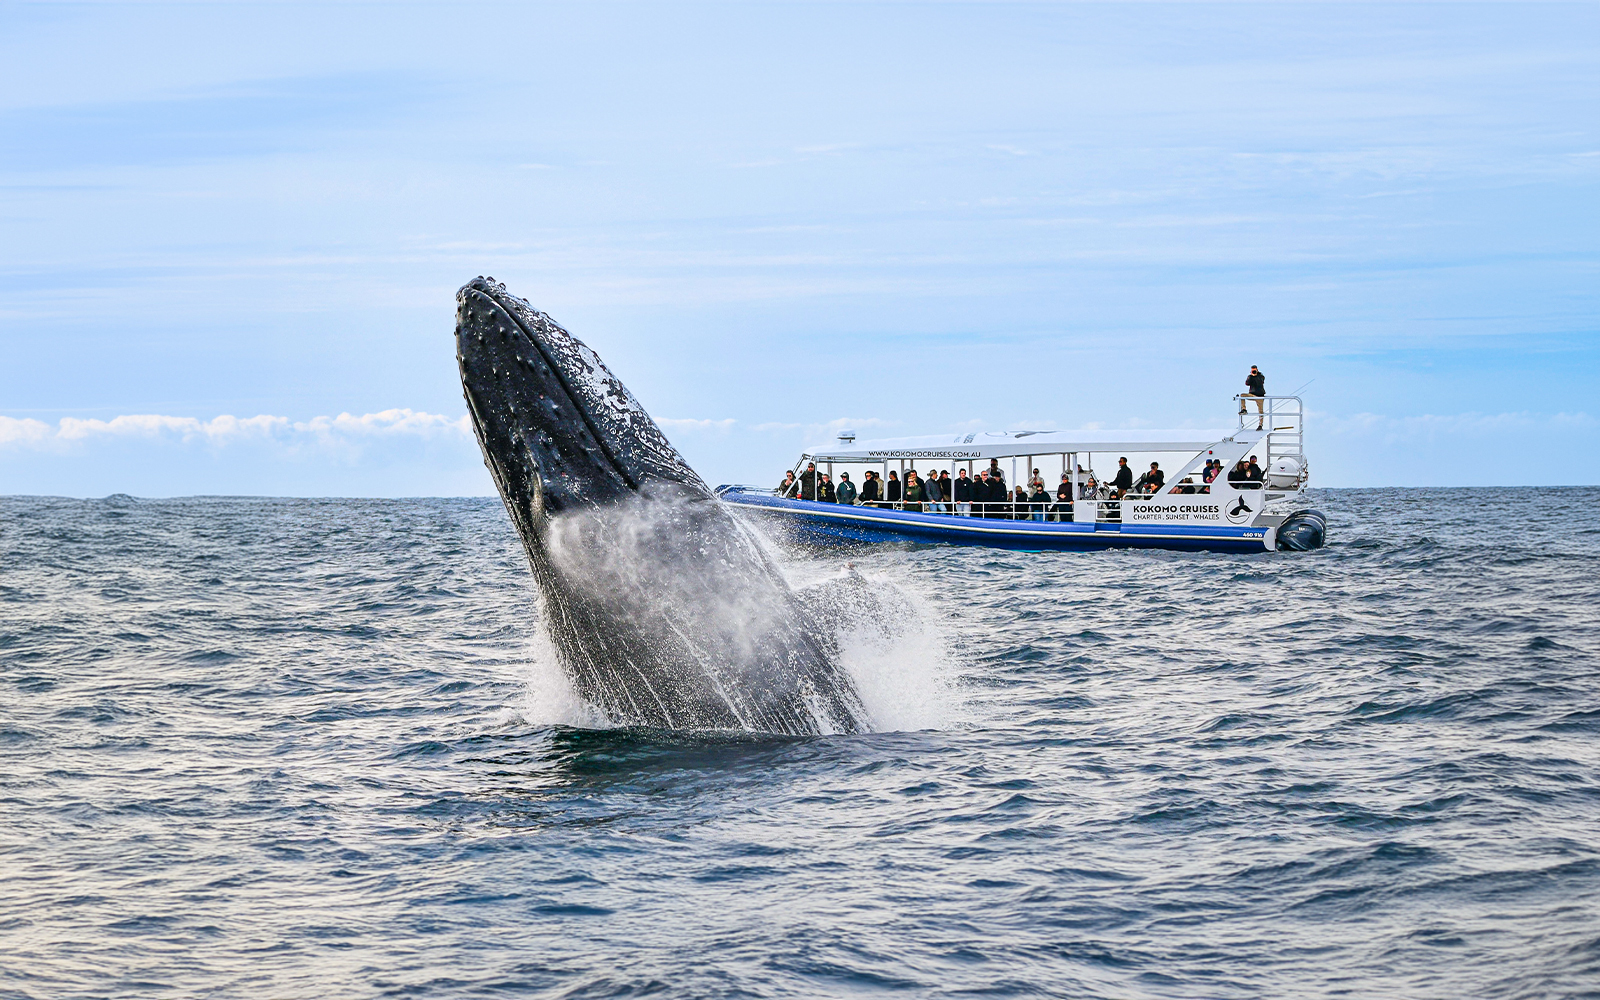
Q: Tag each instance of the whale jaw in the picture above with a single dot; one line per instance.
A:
(664, 609)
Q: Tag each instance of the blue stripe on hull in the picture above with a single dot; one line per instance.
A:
(832, 524)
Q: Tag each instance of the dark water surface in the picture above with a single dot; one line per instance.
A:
(307, 748)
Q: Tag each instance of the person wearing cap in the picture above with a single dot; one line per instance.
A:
(845, 492)
(808, 482)
(1255, 384)
(933, 493)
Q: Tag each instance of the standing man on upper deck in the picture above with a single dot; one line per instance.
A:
(1124, 479)
(1255, 384)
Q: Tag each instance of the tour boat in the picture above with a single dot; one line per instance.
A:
(1228, 513)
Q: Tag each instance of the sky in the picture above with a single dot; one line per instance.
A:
(230, 235)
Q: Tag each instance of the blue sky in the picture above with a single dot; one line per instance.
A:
(232, 234)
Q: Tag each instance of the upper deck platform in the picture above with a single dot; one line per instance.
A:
(983, 445)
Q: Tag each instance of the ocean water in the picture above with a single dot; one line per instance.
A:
(305, 748)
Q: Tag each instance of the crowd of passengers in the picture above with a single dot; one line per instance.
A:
(986, 494)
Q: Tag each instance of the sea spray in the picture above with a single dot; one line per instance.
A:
(881, 631)
(714, 637)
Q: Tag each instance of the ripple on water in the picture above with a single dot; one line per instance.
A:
(257, 747)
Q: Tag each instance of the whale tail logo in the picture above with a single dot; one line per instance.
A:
(1240, 511)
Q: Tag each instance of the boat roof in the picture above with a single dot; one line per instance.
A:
(1008, 444)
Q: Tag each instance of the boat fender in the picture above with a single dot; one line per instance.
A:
(1302, 531)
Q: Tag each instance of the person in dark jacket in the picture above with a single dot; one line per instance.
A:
(1019, 503)
(933, 494)
(893, 494)
(825, 490)
(871, 489)
(1253, 473)
(787, 487)
(1062, 510)
(1123, 481)
(961, 489)
(846, 490)
(994, 493)
(1255, 384)
(1152, 481)
(1038, 501)
(808, 482)
(1239, 475)
(946, 485)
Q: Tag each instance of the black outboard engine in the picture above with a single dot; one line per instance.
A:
(1302, 531)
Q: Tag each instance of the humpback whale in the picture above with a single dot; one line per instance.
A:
(664, 609)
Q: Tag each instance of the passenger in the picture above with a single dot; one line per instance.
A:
(846, 490)
(1038, 501)
(1239, 475)
(808, 482)
(826, 494)
(1062, 511)
(1213, 467)
(933, 494)
(1253, 471)
(871, 491)
(1036, 483)
(1255, 384)
(998, 494)
(980, 494)
(1019, 504)
(893, 494)
(961, 492)
(946, 486)
(1088, 489)
(1113, 510)
(913, 486)
(788, 486)
(1123, 482)
(1152, 481)
(1186, 485)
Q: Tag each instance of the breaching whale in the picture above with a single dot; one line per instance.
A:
(664, 609)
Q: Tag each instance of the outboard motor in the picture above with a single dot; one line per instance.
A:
(1302, 531)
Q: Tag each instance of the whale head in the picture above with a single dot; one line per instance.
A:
(559, 431)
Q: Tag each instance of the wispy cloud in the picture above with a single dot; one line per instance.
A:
(335, 432)
(672, 424)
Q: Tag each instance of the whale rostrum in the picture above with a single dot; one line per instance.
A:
(663, 608)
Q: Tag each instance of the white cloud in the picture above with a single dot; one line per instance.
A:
(340, 432)
(671, 424)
